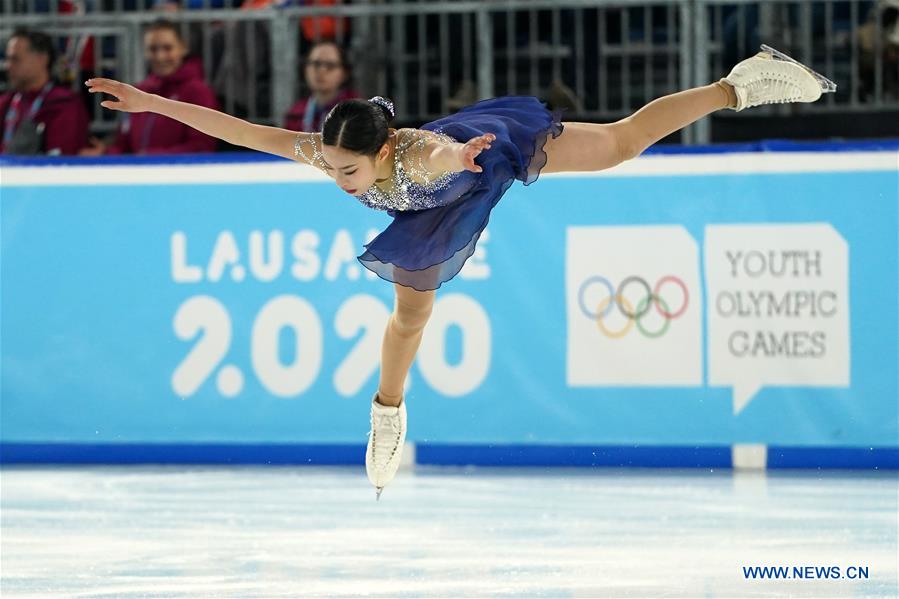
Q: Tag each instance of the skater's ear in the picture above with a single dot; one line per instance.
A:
(384, 152)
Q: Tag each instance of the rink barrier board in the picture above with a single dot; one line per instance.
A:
(426, 454)
(650, 456)
(771, 145)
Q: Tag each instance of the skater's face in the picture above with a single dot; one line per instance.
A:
(164, 51)
(353, 172)
(325, 73)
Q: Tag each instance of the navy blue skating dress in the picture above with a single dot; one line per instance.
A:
(438, 217)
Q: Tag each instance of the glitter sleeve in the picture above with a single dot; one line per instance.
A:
(308, 148)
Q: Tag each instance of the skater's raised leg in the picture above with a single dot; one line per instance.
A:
(767, 78)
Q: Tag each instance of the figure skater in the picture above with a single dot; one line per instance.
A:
(440, 182)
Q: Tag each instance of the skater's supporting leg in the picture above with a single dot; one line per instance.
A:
(593, 147)
(401, 340)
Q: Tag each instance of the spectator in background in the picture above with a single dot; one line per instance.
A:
(172, 75)
(327, 75)
(39, 116)
(192, 32)
(882, 22)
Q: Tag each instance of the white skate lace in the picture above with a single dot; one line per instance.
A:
(772, 88)
(385, 432)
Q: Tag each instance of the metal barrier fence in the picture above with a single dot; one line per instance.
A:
(600, 60)
(848, 41)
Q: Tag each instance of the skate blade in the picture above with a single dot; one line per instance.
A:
(378, 493)
(827, 86)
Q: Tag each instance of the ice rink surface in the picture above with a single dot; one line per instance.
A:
(315, 532)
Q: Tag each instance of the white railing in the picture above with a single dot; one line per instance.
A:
(600, 59)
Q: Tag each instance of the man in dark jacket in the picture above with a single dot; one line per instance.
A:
(39, 116)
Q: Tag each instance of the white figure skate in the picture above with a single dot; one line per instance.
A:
(772, 77)
(385, 443)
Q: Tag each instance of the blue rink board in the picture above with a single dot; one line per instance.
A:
(89, 347)
(844, 458)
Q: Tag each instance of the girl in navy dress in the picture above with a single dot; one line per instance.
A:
(441, 181)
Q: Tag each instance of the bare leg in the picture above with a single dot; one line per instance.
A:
(401, 340)
(594, 147)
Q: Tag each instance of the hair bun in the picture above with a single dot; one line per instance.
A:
(384, 103)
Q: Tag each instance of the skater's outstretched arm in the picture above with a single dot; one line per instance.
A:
(272, 140)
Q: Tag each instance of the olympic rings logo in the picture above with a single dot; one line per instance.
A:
(652, 297)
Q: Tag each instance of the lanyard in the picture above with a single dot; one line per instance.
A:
(145, 134)
(10, 121)
(148, 130)
(309, 115)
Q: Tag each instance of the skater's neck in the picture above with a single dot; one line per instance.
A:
(385, 167)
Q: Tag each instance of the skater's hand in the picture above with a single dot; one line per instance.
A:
(472, 149)
(128, 98)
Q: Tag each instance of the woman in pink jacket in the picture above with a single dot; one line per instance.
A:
(173, 77)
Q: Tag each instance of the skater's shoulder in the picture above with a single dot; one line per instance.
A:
(414, 151)
(408, 138)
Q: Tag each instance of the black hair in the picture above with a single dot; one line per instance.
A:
(39, 42)
(164, 25)
(359, 126)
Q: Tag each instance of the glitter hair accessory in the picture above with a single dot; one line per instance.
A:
(384, 102)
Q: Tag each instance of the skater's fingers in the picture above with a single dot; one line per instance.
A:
(110, 92)
(468, 162)
(100, 81)
(483, 141)
(109, 86)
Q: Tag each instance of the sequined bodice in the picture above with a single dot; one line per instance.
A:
(412, 186)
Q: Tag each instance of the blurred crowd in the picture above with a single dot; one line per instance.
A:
(45, 114)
